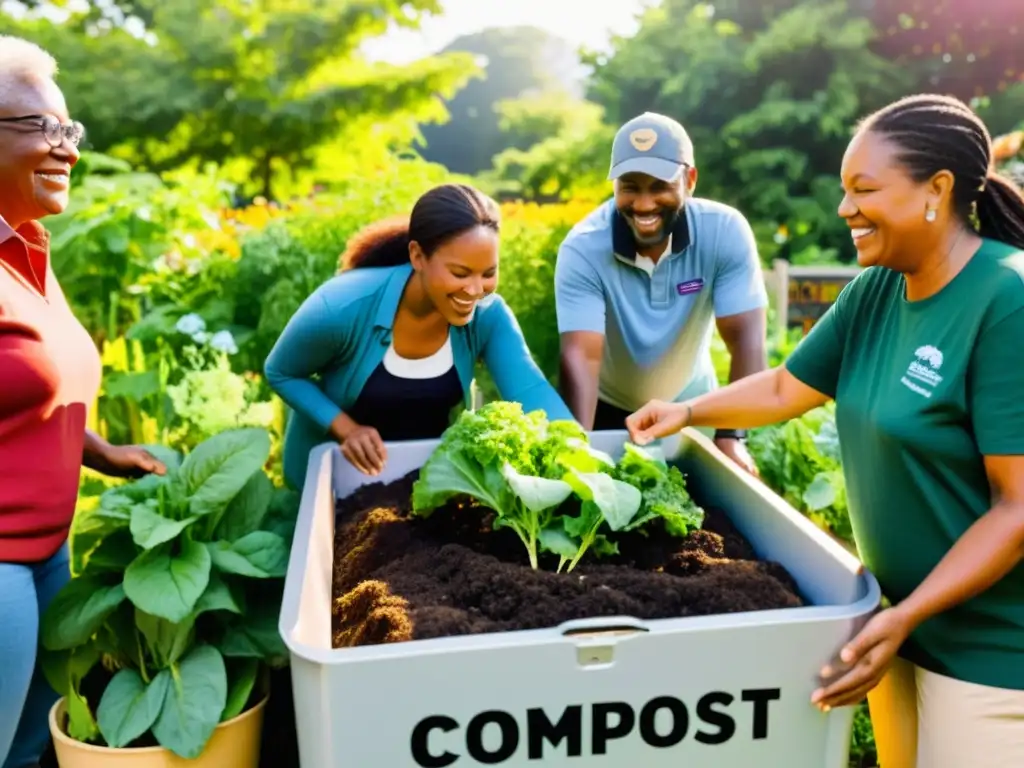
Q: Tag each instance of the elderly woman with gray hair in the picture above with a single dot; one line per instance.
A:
(49, 377)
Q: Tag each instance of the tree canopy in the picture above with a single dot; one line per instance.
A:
(770, 92)
(259, 88)
(277, 96)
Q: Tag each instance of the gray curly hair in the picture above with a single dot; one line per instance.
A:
(22, 61)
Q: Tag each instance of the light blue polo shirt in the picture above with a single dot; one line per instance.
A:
(657, 320)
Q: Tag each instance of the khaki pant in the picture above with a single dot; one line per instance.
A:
(924, 720)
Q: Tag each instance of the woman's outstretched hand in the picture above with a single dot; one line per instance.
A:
(657, 419)
(365, 450)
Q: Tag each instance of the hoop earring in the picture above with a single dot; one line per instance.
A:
(929, 215)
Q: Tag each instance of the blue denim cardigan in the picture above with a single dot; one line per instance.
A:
(340, 334)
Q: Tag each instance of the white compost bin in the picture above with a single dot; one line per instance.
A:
(723, 691)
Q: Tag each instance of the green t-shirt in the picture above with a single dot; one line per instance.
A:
(924, 390)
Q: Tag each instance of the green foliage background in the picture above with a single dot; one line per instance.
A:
(234, 147)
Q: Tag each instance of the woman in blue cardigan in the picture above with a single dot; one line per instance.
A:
(387, 348)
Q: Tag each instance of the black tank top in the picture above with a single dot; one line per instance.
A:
(403, 404)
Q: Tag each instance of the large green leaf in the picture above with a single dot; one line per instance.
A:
(167, 641)
(820, 493)
(138, 491)
(217, 597)
(129, 707)
(267, 551)
(113, 554)
(259, 555)
(168, 585)
(150, 529)
(226, 560)
(556, 540)
(618, 501)
(536, 493)
(220, 467)
(254, 641)
(78, 611)
(255, 633)
(450, 473)
(246, 511)
(242, 676)
(91, 526)
(583, 457)
(283, 513)
(118, 638)
(81, 723)
(64, 669)
(193, 703)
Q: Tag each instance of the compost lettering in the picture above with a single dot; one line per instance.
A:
(712, 722)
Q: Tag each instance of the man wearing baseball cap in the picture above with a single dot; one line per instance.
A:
(641, 280)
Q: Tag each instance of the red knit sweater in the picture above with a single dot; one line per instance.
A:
(49, 376)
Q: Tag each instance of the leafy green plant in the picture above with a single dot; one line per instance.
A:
(605, 501)
(663, 490)
(863, 751)
(119, 236)
(171, 614)
(210, 398)
(800, 460)
(526, 469)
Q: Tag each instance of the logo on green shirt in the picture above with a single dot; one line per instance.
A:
(925, 369)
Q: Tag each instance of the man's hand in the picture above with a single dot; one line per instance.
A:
(129, 461)
(736, 450)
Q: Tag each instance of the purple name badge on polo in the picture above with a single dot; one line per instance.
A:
(690, 286)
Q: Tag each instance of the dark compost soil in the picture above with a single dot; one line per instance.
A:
(398, 578)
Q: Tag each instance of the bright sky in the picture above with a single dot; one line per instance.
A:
(581, 22)
(588, 23)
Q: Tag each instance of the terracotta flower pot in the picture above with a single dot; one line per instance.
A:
(235, 743)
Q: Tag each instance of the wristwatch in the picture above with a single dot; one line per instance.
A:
(730, 434)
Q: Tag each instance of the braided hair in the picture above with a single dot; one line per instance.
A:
(441, 214)
(936, 133)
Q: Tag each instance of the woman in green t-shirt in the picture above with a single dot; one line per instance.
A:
(921, 353)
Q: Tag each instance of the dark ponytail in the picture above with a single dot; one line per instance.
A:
(936, 133)
(1001, 211)
(441, 214)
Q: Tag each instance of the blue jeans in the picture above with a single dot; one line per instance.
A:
(25, 696)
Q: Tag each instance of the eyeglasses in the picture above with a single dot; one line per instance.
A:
(55, 132)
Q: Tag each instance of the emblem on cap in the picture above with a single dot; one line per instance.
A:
(643, 139)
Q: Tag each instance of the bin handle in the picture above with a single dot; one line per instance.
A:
(602, 625)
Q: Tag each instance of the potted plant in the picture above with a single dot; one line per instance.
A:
(160, 643)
